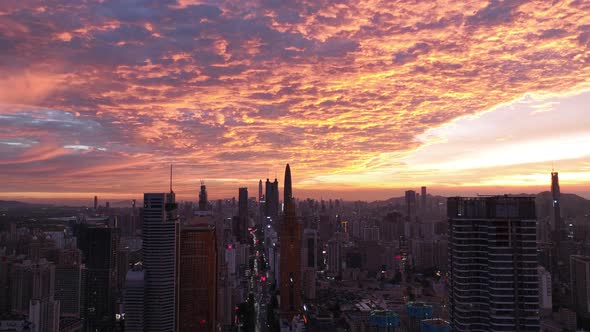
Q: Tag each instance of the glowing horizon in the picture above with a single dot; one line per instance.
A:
(363, 99)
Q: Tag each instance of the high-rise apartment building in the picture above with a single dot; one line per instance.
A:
(197, 279)
(32, 293)
(493, 264)
(290, 268)
(160, 227)
(69, 277)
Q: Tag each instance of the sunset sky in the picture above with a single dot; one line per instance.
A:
(364, 99)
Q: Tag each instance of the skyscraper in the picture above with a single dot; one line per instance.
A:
(243, 214)
(411, 205)
(290, 269)
(160, 226)
(272, 199)
(95, 203)
(555, 195)
(493, 264)
(203, 202)
(98, 243)
(197, 278)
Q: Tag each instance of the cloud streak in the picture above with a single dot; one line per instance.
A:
(218, 88)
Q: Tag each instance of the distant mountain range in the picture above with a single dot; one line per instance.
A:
(571, 205)
(13, 204)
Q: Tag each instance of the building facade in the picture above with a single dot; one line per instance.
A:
(493, 264)
(197, 279)
(160, 227)
(290, 269)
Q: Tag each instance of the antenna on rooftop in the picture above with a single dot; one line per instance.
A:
(171, 178)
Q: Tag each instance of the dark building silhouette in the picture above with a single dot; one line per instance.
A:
(423, 202)
(493, 264)
(261, 205)
(411, 205)
(555, 195)
(272, 199)
(69, 277)
(243, 214)
(203, 202)
(197, 279)
(290, 268)
(98, 244)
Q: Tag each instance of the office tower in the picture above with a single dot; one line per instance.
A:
(580, 286)
(260, 196)
(160, 226)
(290, 269)
(95, 203)
(555, 195)
(309, 262)
(133, 300)
(493, 264)
(203, 202)
(272, 199)
(98, 243)
(243, 214)
(197, 278)
(411, 205)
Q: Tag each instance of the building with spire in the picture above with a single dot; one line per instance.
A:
(555, 195)
(203, 202)
(290, 268)
(160, 236)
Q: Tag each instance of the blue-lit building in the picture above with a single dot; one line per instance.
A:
(418, 311)
(383, 320)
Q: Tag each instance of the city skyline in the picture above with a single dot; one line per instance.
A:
(365, 100)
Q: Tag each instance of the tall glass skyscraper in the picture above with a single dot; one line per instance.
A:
(160, 228)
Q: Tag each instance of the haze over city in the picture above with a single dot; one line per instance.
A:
(365, 99)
